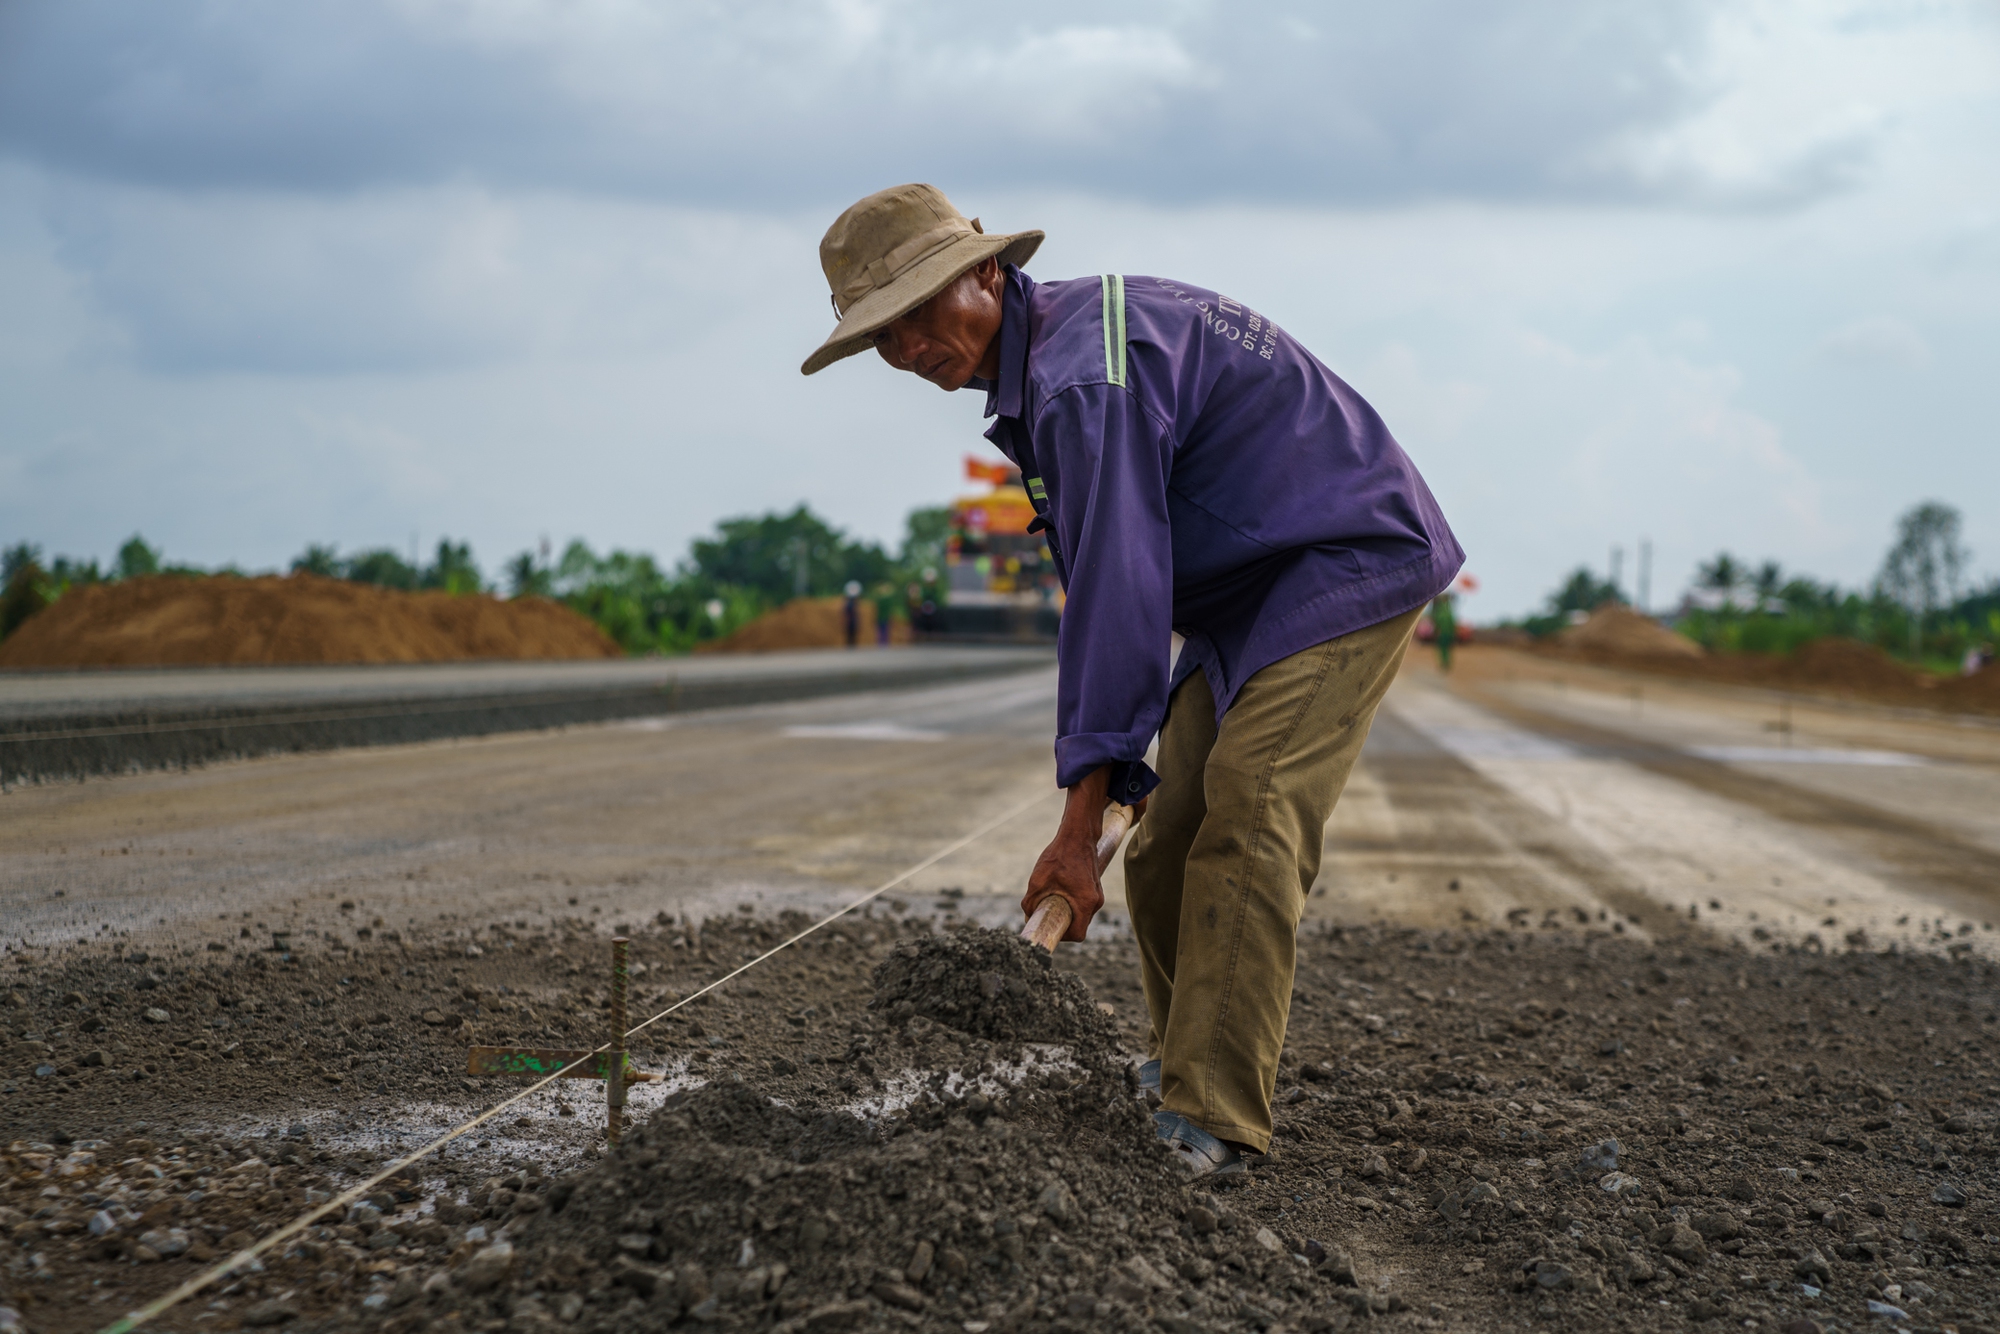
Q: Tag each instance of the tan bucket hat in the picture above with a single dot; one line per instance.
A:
(892, 252)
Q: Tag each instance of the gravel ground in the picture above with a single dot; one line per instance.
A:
(1797, 1135)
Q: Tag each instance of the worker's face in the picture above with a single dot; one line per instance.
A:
(953, 336)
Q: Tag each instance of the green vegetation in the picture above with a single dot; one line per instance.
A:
(136, 558)
(1917, 608)
(27, 585)
(923, 544)
(24, 586)
(454, 570)
(1925, 567)
(1806, 611)
(746, 567)
(785, 555)
(1581, 592)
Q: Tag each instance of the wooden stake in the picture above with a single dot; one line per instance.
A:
(614, 1089)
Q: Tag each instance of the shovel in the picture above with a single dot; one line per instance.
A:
(1051, 917)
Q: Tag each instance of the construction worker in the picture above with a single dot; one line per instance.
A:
(1444, 628)
(886, 601)
(850, 612)
(1203, 480)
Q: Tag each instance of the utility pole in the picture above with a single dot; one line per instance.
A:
(1617, 566)
(1646, 575)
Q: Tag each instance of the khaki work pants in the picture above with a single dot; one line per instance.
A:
(1216, 874)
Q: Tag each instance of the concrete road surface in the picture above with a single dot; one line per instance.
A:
(29, 695)
(1516, 792)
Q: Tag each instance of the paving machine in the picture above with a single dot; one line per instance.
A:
(998, 582)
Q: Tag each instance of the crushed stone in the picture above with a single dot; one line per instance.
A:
(1785, 1119)
(992, 984)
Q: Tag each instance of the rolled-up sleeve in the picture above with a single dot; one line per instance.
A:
(1106, 462)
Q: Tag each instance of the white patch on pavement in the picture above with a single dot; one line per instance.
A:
(1744, 872)
(1498, 742)
(876, 731)
(1805, 755)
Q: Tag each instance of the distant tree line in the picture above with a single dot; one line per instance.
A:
(27, 585)
(453, 570)
(1919, 606)
(746, 567)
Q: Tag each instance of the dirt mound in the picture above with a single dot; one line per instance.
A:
(1844, 668)
(169, 620)
(1847, 664)
(837, 1170)
(802, 623)
(1978, 693)
(990, 984)
(731, 1206)
(1617, 629)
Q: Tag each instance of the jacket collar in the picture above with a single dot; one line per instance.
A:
(1008, 395)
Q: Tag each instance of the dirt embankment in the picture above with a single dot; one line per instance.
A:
(1837, 667)
(1477, 1131)
(1621, 632)
(169, 620)
(803, 623)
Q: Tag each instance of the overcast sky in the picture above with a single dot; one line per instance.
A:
(1717, 275)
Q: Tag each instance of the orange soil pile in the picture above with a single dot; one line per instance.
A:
(1618, 630)
(1844, 668)
(168, 620)
(802, 623)
(1978, 693)
(1842, 664)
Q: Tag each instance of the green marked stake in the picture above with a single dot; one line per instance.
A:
(544, 1062)
(541, 1061)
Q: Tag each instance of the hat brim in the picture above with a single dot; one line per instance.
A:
(916, 285)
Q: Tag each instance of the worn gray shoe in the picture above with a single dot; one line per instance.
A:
(1201, 1153)
(1149, 1078)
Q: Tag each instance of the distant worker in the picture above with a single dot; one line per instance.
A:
(923, 603)
(1444, 625)
(886, 602)
(850, 612)
(1198, 473)
(1975, 659)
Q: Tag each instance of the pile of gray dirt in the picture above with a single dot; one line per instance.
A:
(1006, 1176)
(991, 984)
(1803, 1134)
(973, 1212)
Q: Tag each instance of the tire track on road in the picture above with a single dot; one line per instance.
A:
(1916, 855)
(1489, 823)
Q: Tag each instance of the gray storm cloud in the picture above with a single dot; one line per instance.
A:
(769, 105)
(286, 269)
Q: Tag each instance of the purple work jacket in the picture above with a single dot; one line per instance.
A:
(1196, 471)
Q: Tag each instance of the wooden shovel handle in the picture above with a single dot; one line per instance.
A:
(1050, 921)
(1117, 819)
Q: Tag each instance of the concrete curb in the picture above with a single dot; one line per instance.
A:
(108, 741)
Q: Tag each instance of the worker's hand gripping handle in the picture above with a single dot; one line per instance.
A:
(1050, 920)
